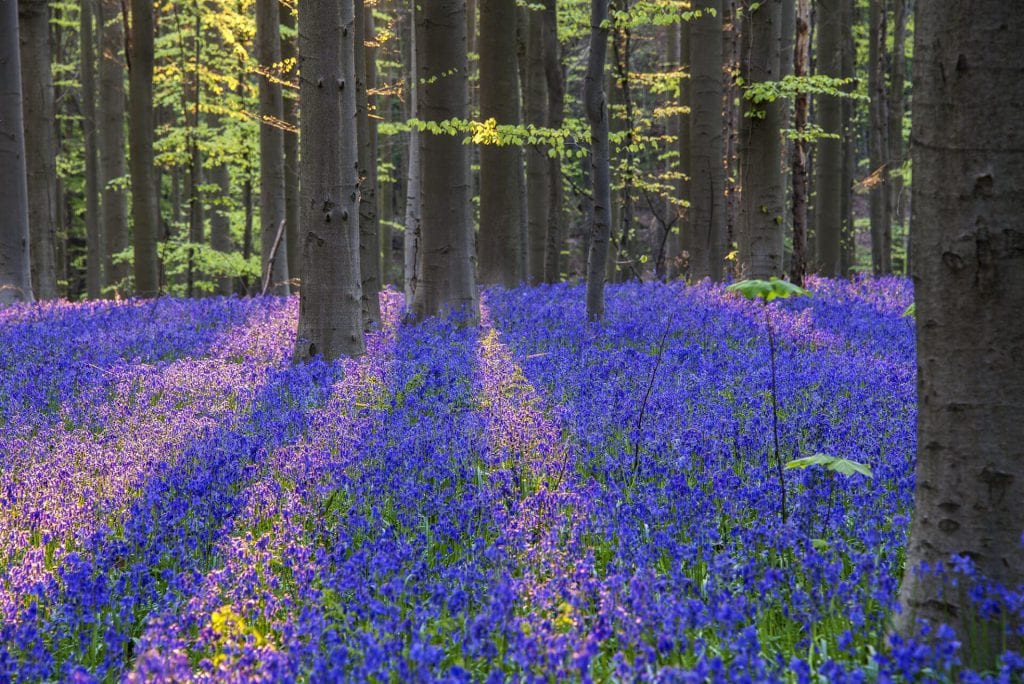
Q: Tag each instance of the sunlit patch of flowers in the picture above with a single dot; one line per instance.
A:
(537, 499)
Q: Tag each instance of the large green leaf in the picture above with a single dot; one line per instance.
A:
(843, 466)
(767, 290)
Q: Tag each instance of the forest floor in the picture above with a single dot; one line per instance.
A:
(536, 498)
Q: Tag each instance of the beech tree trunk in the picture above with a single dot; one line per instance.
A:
(968, 200)
(40, 144)
(114, 209)
(290, 102)
(330, 300)
(847, 236)
(93, 235)
(707, 186)
(145, 202)
(537, 191)
(220, 220)
(412, 195)
(596, 104)
(801, 109)
(881, 221)
(15, 265)
(895, 107)
(500, 196)
(272, 208)
(369, 230)
(447, 257)
(555, 118)
(829, 163)
(761, 150)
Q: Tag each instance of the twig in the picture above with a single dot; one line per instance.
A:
(647, 396)
(273, 257)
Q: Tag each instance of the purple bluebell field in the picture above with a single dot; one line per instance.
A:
(178, 502)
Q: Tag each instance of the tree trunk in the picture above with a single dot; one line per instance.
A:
(272, 209)
(93, 234)
(881, 221)
(829, 163)
(731, 50)
(761, 150)
(194, 192)
(15, 264)
(412, 196)
(447, 256)
(369, 230)
(847, 236)
(290, 102)
(556, 117)
(145, 203)
(968, 199)
(220, 220)
(330, 300)
(537, 191)
(707, 187)
(895, 108)
(596, 104)
(499, 100)
(801, 55)
(114, 210)
(40, 144)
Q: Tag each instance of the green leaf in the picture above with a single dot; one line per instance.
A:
(767, 290)
(911, 311)
(843, 466)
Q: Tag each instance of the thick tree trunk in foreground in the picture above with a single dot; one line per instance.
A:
(500, 198)
(596, 104)
(40, 144)
(272, 208)
(145, 202)
(707, 188)
(93, 234)
(114, 209)
(369, 230)
(968, 199)
(761, 150)
(330, 308)
(447, 259)
(829, 161)
(15, 267)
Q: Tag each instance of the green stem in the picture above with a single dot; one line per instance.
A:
(775, 416)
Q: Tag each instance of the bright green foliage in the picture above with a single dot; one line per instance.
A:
(767, 290)
(911, 311)
(843, 466)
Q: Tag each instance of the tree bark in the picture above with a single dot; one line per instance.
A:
(40, 144)
(272, 208)
(801, 189)
(829, 162)
(707, 186)
(15, 263)
(847, 236)
(555, 78)
(447, 256)
(596, 104)
(114, 209)
(895, 107)
(220, 220)
(93, 235)
(145, 204)
(330, 300)
(290, 102)
(535, 114)
(968, 199)
(881, 221)
(412, 197)
(369, 230)
(761, 150)
(500, 196)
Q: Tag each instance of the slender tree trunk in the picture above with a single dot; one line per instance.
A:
(667, 267)
(145, 203)
(731, 50)
(895, 109)
(196, 213)
(555, 78)
(500, 198)
(847, 237)
(596, 104)
(40, 144)
(330, 300)
(93, 235)
(622, 97)
(881, 223)
(369, 230)
(412, 197)
(761, 150)
(684, 241)
(447, 257)
(801, 189)
(220, 220)
(272, 208)
(114, 210)
(968, 199)
(15, 264)
(290, 102)
(829, 167)
(537, 192)
(707, 188)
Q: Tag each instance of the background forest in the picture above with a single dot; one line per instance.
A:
(706, 100)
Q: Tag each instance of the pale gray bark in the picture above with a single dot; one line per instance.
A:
(220, 220)
(330, 308)
(829, 158)
(40, 144)
(272, 207)
(145, 203)
(896, 108)
(707, 187)
(968, 200)
(881, 220)
(15, 265)
(801, 112)
(446, 257)
(684, 239)
(537, 191)
(555, 77)
(290, 101)
(114, 209)
(500, 199)
(412, 188)
(596, 103)
(93, 234)
(369, 229)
